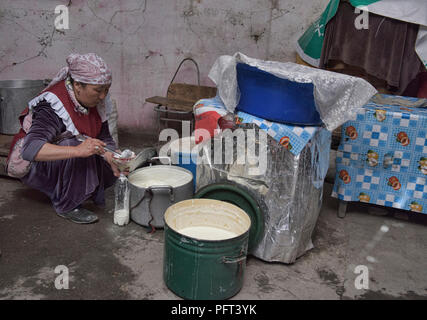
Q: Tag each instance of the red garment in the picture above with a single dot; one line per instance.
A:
(89, 124)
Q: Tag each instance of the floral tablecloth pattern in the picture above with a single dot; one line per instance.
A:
(292, 137)
(382, 157)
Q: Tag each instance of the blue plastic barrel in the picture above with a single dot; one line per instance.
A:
(264, 95)
(183, 154)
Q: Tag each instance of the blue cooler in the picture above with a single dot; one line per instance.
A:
(272, 98)
(182, 155)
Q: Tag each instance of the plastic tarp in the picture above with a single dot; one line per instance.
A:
(337, 96)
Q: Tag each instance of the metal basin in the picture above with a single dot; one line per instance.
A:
(14, 97)
(153, 189)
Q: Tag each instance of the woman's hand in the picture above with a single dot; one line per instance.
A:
(108, 156)
(89, 147)
(52, 152)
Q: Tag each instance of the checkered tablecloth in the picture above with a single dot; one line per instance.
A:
(294, 138)
(382, 157)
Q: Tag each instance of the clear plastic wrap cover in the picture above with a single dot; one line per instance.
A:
(337, 96)
(289, 192)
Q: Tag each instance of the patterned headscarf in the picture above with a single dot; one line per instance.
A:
(86, 68)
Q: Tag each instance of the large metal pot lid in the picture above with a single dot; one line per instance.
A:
(160, 175)
(241, 198)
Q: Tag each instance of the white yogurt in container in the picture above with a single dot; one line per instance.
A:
(160, 176)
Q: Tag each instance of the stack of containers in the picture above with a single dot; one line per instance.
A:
(287, 114)
(289, 193)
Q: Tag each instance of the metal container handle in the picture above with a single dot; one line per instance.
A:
(158, 158)
(233, 259)
(156, 189)
(162, 189)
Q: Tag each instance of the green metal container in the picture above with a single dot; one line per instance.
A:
(207, 266)
(245, 200)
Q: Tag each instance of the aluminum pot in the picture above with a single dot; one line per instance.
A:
(14, 97)
(154, 189)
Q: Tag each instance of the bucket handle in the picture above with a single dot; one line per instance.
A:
(233, 259)
(153, 189)
(239, 260)
(158, 158)
(164, 188)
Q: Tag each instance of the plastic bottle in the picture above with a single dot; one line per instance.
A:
(121, 209)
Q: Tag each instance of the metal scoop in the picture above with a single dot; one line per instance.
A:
(142, 157)
(82, 137)
(130, 164)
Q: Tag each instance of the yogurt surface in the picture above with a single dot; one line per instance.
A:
(207, 233)
(160, 176)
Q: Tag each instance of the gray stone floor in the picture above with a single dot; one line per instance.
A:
(106, 261)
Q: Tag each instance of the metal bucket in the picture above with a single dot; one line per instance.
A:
(151, 196)
(14, 97)
(206, 266)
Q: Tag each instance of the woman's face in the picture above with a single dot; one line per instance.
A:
(90, 95)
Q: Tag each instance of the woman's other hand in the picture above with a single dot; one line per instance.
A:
(89, 147)
(108, 156)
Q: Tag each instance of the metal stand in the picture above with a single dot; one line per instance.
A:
(180, 99)
(165, 119)
(342, 208)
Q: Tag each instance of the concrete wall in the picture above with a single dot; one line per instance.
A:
(144, 41)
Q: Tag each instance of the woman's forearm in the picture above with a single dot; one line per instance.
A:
(51, 152)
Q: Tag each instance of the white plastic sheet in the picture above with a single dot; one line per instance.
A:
(337, 96)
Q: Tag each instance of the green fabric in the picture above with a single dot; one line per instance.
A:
(311, 41)
(309, 45)
(356, 3)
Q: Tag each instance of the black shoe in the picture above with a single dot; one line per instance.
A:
(80, 215)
